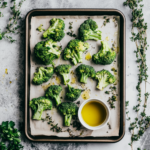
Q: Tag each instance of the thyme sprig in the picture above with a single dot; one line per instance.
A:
(12, 26)
(107, 20)
(71, 32)
(2, 5)
(113, 98)
(142, 121)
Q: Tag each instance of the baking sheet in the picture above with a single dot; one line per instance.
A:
(109, 33)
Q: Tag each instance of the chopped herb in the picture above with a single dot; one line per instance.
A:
(77, 125)
(71, 32)
(109, 126)
(107, 92)
(111, 101)
(78, 102)
(107, 20)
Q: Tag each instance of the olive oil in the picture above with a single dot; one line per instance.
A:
(86, 94)
(94, 113)
(88, 56)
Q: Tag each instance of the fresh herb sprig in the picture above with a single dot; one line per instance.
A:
(107, 20)
(12, 26)
(142, 121)
(2, 5)
(71, 32)
(113, 98)
(11, 135)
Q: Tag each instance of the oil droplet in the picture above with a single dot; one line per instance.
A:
(6, 71)
(73, 80)
(3, 75)
(58, 81)
(88, 56)
(76, 87)
(83, 86)
(107, 38)
(115, 34)
(91, 80)
(10, 82)
(86, 94)
(118, 49)
(45, 87)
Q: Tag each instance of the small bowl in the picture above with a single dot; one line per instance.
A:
(94, 127)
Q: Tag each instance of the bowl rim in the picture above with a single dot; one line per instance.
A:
(94, 127)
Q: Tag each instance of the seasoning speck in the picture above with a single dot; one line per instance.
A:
(6, 71)
(86, 94)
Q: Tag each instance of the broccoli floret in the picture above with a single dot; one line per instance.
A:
(53, 92)
(72, 93)
(85, 71)
(89, 31)
(64, 71)
(105, 56)
(68, 109)
(74, 51)
(38, 105)
(56, 30)
(43, 75)
(104, 78)
(47, 51)
(40, 28)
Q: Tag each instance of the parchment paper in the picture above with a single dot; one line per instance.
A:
(109, 33)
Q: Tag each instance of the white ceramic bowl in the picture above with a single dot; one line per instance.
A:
(95, 127)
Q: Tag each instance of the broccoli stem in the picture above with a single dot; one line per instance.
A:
(57, 99)
(38, 114)
(83, 78)
(50, 30)
(54, 51)
(68, 118)
(65, 77)
(102, 83)
(74, 61)
(94, 36)
(80, 56)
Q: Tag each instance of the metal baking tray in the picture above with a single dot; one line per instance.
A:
(88, 12)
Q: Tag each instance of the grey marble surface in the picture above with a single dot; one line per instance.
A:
(12, 58)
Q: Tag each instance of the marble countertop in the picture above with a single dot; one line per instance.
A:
(12, 58)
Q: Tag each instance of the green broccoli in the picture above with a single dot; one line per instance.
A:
(64, 71)
(38, 105)
(104, 78)
(72, 93)
(40, 28)
(85, 71)
(89, 31)
(56, 30)
(105, 56)
(68, 109)
(74, 51)
(43, 75)
(47, 51)
(53, 92)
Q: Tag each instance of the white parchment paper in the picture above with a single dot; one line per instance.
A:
(109, 33)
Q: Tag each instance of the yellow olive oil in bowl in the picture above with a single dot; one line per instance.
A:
(93, 113)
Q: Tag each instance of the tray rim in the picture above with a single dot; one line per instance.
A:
(26, 76)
